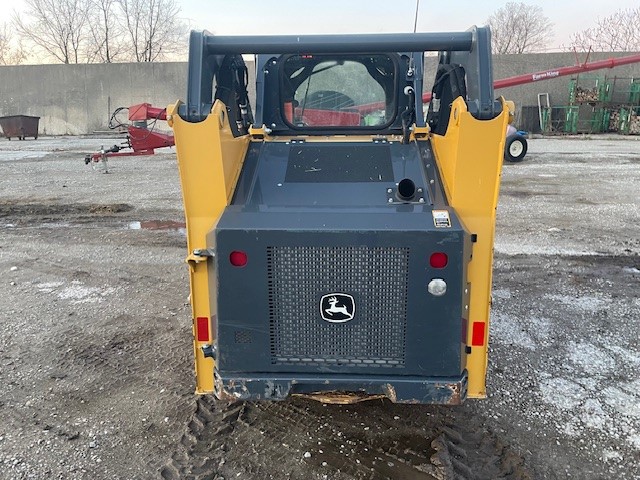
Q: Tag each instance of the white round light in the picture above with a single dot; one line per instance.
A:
(437, 287)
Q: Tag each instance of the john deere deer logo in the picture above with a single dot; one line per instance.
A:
(337, 307)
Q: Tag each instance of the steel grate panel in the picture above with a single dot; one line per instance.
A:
(377, 279)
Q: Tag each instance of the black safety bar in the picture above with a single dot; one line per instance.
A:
(206, 52)
(365, 43)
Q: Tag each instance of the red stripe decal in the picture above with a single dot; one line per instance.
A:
(477, 336)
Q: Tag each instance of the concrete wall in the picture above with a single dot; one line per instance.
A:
(78, 99)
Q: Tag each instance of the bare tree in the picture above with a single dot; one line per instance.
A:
(519, 28)
(619, 32)
(153, 28)
(105, 42)
(11, 52)
(56, 27)
(73, 31)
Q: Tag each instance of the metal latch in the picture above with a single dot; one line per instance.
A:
(209, 351)
(199, 255)
(259, 132)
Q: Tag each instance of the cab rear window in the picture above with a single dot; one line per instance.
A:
(339, 91)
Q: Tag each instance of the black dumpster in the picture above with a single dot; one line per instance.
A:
(20, 126)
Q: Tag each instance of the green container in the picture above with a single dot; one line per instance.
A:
(625, 120)
(634, 92)
(604, 90)
(571, 119)
(573, 83)
(601, 120)
(546, 120)
(599, 85)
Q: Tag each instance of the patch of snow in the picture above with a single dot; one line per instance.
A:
(79, 294)
(540, 328)
(624, 403)
(590, 358)
(585, 303)
(519, 248)
(504, 329)
(628, 356)
(635, 440)
(632, 387)
(22, 155)
(562, 393)
(572, 428)
(611, 455)
(503, 293)
(48, 287)
(592, 414)
(591, 384)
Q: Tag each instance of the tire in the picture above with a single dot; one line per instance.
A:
(516, 148)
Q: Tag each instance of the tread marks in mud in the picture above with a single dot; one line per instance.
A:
(203, 446)
(467, 451)
(368, 441)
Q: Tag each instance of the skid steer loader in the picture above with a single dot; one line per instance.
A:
(340, 240)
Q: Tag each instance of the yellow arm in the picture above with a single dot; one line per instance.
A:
(469, 157)
(209, 162)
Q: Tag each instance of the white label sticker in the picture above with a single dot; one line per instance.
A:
(441, 219)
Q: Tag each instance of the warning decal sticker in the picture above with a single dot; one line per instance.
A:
(441, 219)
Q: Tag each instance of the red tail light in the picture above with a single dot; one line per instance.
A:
(438, 260)
(477, 334)
(202, 329)
(238, 258)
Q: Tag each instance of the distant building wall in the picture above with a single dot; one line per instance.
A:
(79, 99)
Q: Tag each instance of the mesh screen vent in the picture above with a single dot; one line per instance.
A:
(376, 277)
(242, 336)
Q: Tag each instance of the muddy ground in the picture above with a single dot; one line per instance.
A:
(95, 354)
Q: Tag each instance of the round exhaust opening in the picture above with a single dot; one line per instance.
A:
(406, 189)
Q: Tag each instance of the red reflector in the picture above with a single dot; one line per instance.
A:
(238, 259)
(477, 336)
(438, 260)
(202, 329)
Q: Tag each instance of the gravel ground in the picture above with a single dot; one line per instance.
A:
(95, 352)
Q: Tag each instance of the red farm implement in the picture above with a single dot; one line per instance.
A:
(142, 139)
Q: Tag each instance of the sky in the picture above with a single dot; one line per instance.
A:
(247, 17)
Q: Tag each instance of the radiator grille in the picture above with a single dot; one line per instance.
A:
(377, 279)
